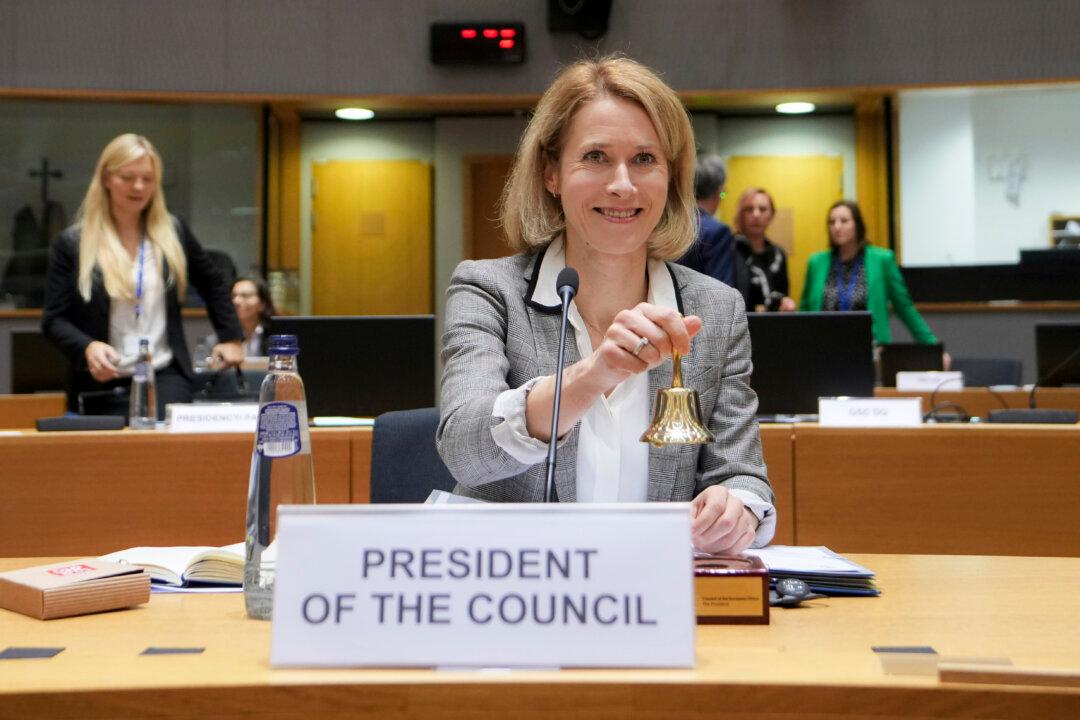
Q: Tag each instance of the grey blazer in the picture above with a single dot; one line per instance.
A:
(498, 338)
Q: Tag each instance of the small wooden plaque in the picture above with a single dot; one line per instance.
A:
(731, 590)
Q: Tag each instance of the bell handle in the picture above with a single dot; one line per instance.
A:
(676, 369)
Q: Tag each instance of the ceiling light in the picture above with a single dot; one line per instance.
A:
(795, 108)
(354, 113)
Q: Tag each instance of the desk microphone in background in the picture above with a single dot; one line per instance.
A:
(1034, 414)
(566, 284)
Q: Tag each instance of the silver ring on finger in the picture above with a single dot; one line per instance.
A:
(641, 343)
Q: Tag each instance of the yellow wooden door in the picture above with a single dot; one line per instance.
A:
(371, 237)
(803, 187)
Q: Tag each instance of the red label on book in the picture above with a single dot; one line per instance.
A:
(71, 570)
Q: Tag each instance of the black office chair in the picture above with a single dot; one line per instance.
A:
(228, 386)
(405, 466)
(989, 371)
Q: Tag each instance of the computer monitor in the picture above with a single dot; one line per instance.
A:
(905, 357)
(1057, 351)
(362, 366)
(799, 357)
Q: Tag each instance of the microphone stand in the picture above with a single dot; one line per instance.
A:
(566, 285)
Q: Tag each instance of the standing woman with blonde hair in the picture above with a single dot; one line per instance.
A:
(761, 272)
(603, 183)
(120, 274)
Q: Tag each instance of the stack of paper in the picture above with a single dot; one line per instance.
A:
(819, 567)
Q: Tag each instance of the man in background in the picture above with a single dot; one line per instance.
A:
(714, 252)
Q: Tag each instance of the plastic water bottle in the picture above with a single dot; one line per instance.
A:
(142, 413)
(281, 471)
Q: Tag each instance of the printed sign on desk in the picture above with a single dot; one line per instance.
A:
(212, 417)
(930, 381)
(508, 585)
(869, 412)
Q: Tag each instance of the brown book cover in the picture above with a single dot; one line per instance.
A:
(731, 589)
(73, 587)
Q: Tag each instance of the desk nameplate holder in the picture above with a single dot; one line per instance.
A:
(212, 417)
(929, 381)
(484, 585)
(870, 412)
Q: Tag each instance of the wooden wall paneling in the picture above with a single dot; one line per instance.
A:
(93, 493)
(20, 411)
(283, 171)
(872, 167)
(483, 181)
(360, 464)
(778, 447)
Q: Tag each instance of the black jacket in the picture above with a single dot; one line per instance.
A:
(72, 323)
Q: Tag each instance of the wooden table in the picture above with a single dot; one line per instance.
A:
(966, 489)
(979, 401)
(812, 662)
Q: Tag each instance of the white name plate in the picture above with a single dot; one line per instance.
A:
(931, 381)
(869, 412)
(212, 417)
(484, 585)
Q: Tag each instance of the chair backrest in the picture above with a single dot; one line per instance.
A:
(990, 371)
(225, 386)
(405, 465)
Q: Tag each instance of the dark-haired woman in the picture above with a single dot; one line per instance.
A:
(254, 308)
(854, 275)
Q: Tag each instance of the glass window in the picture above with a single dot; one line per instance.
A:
(211, 163)
(987, 172)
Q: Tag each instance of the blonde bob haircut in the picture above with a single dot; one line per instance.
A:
(745, 199)
(99, 242)
(532, 217)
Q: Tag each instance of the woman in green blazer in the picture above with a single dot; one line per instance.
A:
(856, 276)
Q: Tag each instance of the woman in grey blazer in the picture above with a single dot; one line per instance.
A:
(602, 182)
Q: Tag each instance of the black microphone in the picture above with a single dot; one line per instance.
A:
(567, 286)
(1034, 414)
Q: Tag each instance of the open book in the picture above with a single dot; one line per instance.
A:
(184, 566)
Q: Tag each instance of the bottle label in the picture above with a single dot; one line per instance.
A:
(282, 430)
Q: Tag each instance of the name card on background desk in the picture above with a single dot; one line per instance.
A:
(929, 381)
(869, 412)
(482, 585)
(212, 417)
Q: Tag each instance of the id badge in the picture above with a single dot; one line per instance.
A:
(131, 346)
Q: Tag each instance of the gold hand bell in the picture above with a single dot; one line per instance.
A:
(677, 414)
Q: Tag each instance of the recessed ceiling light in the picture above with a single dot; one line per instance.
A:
(354, 113)
(795, 108)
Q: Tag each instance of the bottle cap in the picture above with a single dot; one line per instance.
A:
(284, 345)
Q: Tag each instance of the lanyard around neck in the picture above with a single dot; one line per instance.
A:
(139, 282)
(846, 290)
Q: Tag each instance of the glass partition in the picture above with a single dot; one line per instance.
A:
(48, 150)
(987, 172)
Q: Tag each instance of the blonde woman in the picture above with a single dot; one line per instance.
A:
(121, 273)
(602, 182)
(762, 266)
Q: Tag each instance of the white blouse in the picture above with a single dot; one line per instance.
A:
(125, 330)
